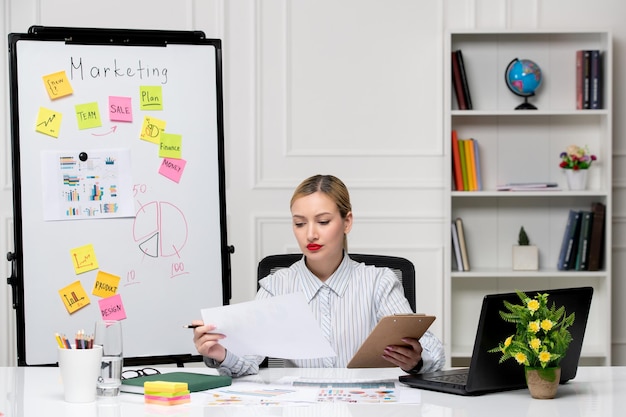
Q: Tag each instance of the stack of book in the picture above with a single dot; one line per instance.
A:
(529, 186)
(588, 79)
(466, 173)
(582, 248)
(459, 81)
(459, 246)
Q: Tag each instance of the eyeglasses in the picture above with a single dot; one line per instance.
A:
(135, 373)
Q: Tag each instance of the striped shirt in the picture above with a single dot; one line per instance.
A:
(348, 305)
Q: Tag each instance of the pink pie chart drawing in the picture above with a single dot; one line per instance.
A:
(160, 229)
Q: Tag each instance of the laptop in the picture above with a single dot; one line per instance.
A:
(485, 374)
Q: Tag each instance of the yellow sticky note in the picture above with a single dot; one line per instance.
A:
(74, 297)
(84, 258)
(88, 115)
(171, 146)
(151, 129)
(48, 122)
(150, 97)
(106, 284)
(57, 85)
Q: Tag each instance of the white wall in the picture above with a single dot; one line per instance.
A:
(349, 87)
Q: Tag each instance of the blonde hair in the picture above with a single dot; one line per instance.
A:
(333, 187)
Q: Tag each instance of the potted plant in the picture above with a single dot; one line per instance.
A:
(525, 255)
(540, 341)
(575, 162)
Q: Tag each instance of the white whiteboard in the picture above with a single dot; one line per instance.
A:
(171, 254)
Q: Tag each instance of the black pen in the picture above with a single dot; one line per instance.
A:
(191, 326)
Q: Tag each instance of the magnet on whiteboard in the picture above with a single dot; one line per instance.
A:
(83, 156)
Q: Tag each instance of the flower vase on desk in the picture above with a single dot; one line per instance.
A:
(542, 382)
(576, 179)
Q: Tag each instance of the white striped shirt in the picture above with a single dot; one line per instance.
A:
(359, 296)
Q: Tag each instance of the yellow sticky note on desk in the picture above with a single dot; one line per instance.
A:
(164, 387)
(74, 297)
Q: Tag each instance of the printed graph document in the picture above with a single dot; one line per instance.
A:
(280, 327)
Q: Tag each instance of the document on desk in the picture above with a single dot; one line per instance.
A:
(279, 327)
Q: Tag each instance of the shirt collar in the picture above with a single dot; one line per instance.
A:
(337, 282)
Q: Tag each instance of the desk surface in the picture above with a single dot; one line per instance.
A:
(596, 391)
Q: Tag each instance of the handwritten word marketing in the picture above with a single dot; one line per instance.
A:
(81, 70)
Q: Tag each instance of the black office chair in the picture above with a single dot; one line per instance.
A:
(403, 268)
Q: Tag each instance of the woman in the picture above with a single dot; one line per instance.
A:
(347, 298)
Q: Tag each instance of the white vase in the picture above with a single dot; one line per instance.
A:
(525, 258)
(576, 179)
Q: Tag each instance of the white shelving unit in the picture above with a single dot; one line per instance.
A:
(524, 146)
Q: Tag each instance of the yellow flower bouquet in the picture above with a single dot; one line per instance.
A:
(541, 338)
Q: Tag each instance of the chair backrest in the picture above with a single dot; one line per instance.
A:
(402, 267)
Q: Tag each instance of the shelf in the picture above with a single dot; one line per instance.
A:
(528, 113)
(494, 273)
(518, 194)
(523, 146)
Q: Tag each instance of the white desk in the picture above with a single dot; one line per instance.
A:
(595, 392)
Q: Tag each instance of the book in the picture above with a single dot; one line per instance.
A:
(472, 163)
(195, 381)
(586, 78)
(479, 178)
(596, 241)
(456, 248)
(464, 82)
(529, 186)
(595, 86)
(579, 79)
(456, 163)
(462, 244)
(463, 160)
(569, 243)
(582, 257)
(457, 83)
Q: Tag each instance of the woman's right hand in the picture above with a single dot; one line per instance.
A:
(207, 343)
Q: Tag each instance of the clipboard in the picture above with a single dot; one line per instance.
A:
(390, 330)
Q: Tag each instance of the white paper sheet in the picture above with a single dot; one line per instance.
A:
(279, 327)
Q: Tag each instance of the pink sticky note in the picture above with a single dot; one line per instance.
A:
(112, 308)
(120, 109)
(172, 168)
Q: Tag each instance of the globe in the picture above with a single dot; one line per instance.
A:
(523, 77)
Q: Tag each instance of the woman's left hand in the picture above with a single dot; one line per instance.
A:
(406, 357)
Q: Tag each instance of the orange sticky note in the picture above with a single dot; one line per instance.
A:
(88, 115)
(74, 297)
(48, 122)
(171, 146)
(84, 258)
(150, 97)
(106, 284)
(57, 85)
(151, 129)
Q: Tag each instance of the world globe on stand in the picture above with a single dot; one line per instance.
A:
(523, 77)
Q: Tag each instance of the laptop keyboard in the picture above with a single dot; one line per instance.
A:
(449, 378)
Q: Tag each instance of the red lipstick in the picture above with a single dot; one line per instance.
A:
(313, 247)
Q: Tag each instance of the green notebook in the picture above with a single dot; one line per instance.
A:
(195, 382)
